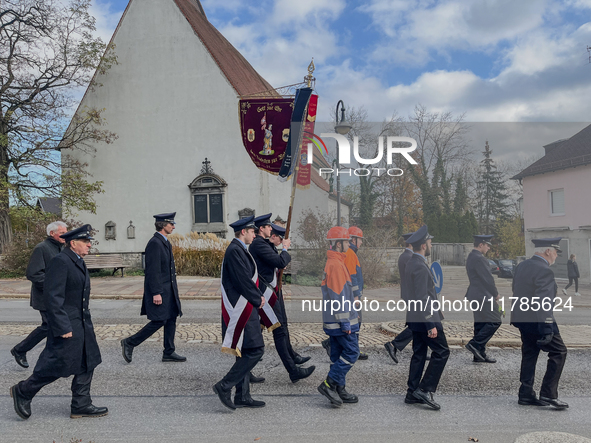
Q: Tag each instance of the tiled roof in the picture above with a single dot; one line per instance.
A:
(575, 151)
(53, 205)
(241, 75)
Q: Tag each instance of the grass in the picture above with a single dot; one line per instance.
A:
(98, 273)
(5, 273)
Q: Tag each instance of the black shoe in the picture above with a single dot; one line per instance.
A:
(22, 406)
(302, 373)
(329, 391)
(488, 359)
(411, 399)
(225, 396)
(255, 379)
(89, 411)
(345, 396)
(249, 403)
(299, 360)
(554, 402)
(326, 345)
(531, 401)
(126, 350)
(362, 356)
(21, 359)
(427, 397)
(477, 355)
(391, 351)
(174, 357)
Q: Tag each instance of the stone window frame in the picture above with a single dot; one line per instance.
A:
(209, 184)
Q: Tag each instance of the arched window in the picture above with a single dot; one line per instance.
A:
(208, 195)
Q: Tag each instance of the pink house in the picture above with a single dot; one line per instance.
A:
(557, 200)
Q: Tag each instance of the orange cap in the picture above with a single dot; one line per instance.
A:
(338, 233)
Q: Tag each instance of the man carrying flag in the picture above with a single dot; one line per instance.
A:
(268, 261)
(241, 330)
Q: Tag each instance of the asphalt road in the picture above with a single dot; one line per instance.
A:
(151, 401)
(207, 311)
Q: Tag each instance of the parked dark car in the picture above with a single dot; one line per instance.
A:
(506, 268)
(494, 268)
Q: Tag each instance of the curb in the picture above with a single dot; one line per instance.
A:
(501, 342)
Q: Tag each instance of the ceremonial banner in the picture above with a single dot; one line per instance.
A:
(305, 167)
(265, 130)
(295, 134)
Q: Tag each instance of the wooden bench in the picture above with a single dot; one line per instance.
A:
(101, 261)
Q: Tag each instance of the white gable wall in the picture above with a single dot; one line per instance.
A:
(171, 107)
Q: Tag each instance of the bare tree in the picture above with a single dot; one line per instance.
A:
(47, 52)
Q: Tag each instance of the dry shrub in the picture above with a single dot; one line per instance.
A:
(310, 256)
(198, 254)
(29, 228)
(373, 256)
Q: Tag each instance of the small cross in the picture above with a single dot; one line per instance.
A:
(206, 169)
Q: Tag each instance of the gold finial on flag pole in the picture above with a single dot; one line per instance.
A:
(310, 78)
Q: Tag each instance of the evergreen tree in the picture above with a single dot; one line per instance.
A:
(491, 193)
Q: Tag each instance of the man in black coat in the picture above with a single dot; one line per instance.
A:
(241, 327)
(482, 289)
(533, 315)
(424, 320)
(405, 337)
(268, 262)
(71, 347)
(161, 302)
(40, 258)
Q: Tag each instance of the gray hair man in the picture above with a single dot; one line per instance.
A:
(40, 258)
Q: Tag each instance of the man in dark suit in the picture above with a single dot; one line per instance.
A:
(425, 322)
(268, 263)
(40, 258)
(405, 337)
(241, 327)
(71, 347)
(533, 315)
(483, 289)
(161, 303)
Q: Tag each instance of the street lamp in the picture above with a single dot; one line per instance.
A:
(343, 128)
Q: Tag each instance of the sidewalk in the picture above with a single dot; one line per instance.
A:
(373, 335)
(458, 333)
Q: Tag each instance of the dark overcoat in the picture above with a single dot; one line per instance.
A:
(573, 269)
(402, 261)
(238, 269)
(534, 278)
(40, 258)
(67, 292)
(268, 261)
(420, 287)
(160, 278)
(482, 287)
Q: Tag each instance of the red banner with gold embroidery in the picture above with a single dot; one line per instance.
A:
(305, 165)
(265, 125)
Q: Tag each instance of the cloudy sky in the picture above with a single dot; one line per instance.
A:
(494, 60)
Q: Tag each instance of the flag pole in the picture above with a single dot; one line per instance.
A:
(308, 79)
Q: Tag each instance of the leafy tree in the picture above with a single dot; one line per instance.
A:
(47, 52)
(511, 242)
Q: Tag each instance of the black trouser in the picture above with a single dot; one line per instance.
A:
(529, 357)
(35, 337)
(483, 332)
(282, 341)
(403, 339)
(439, 356)
(239, 374)
(148, 330)
(80, 388)
(570, 283)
